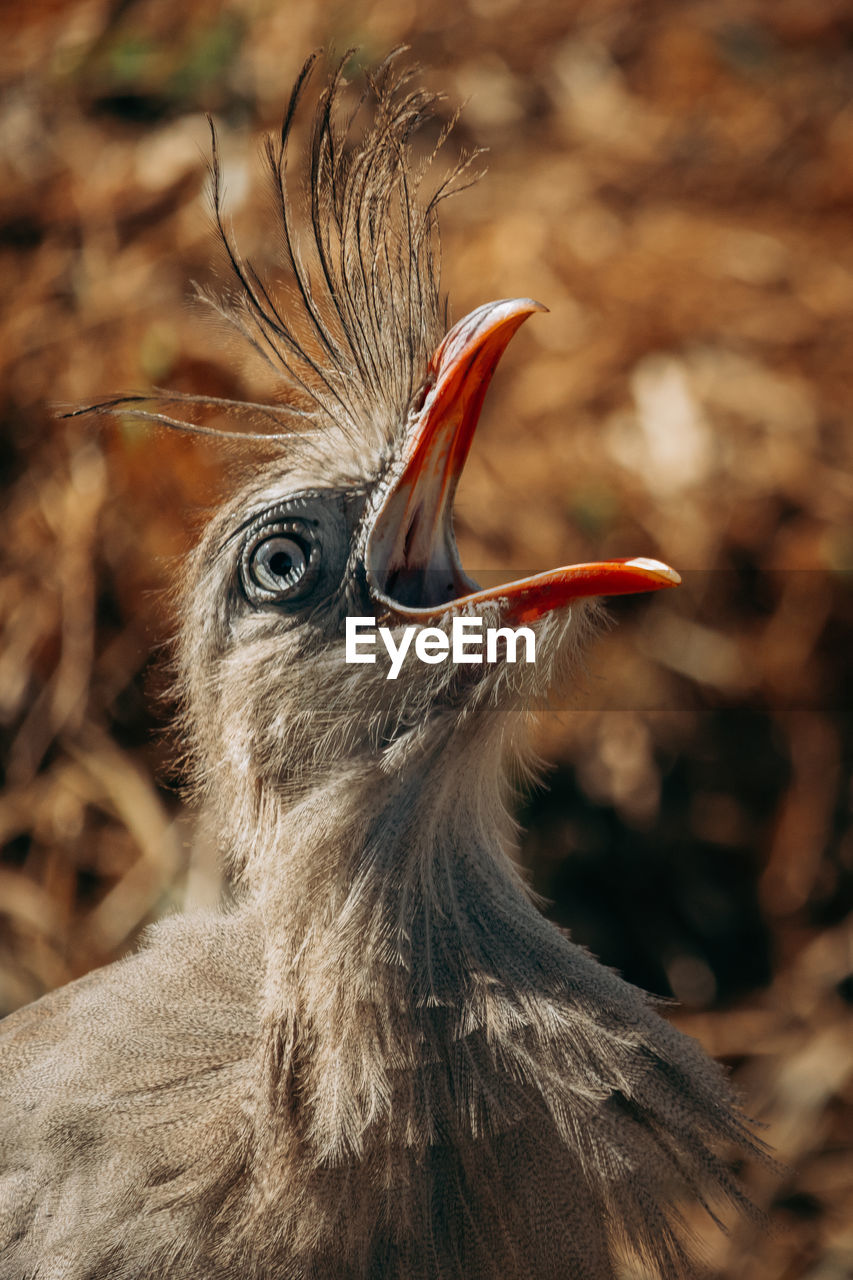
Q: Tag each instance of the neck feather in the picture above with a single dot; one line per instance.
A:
(428, 1038)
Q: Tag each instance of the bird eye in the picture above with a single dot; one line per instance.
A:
(277, 566)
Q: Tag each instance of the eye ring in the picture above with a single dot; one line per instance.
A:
(280, 562)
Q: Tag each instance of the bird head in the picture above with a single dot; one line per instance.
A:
(320, 621)
(352, 516)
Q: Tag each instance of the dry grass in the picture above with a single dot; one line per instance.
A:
(676, 183)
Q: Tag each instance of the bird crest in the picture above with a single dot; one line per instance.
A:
(355, 310)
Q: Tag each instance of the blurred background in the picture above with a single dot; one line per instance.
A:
(675, 181)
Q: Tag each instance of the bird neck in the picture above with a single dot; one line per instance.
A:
(396, 924)
(385, 841)
(429, 1040)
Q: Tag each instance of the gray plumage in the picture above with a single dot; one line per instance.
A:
(381, 1061)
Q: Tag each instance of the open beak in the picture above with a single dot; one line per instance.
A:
(413, 567)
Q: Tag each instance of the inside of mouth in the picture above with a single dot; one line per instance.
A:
(419, 565)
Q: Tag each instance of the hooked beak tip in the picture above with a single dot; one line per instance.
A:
(667, 576)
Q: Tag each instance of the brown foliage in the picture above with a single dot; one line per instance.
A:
(675, 183)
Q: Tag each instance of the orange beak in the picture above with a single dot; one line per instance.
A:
(413, 567)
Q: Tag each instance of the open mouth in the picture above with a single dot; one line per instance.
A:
(413, 567)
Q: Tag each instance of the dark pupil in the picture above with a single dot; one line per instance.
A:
(281, 563)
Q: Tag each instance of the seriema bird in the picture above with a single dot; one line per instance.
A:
(380, 1060)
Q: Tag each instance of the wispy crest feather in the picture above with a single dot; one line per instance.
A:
(351, 321)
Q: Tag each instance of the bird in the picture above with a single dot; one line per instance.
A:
(377, 1059)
